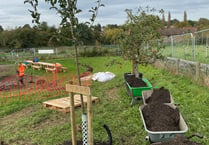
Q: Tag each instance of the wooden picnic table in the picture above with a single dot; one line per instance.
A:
(47, 65)
(53, 67)
(30, 62)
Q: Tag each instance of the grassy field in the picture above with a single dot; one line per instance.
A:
(29, 123)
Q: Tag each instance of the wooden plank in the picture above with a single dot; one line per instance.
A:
(50, 69)
(34, 66)
(64, 69)
(63, 104)
(72, 116)
(78, 89)
(90, 123)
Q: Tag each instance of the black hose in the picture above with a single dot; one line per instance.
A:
(109, 142)
(195, 134)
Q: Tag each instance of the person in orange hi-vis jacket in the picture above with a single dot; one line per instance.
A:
(21, 71)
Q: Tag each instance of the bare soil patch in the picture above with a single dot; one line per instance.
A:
(8, 83)
(81, 143)
(14, 117)
(112, 94)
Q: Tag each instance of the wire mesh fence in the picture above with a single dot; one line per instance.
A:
(10, 56)
(190, 46)
(36, 87)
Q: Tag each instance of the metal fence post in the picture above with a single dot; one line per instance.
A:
(171, 46)
(197, 74)
(193, 44)
(177, 66)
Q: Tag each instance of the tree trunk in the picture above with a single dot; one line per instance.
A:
(135, 69)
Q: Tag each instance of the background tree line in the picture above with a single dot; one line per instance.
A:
(50, 36)
(46, 36)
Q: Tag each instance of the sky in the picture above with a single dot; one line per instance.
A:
(14, 13)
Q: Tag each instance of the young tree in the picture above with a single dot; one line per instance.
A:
(136, 42)
(68, 11)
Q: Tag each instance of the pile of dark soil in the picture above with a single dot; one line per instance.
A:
(161, 117)
(178, 140)
(81, 143)
(161, 95)
(134, 82)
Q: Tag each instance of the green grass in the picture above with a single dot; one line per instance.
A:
(36, 125)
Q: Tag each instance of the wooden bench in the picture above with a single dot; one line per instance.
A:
(61, 69)
(37, 67)
(64, 69)
(50, 69)
(25, 65)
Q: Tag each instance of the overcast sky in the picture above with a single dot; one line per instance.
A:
(14, 13)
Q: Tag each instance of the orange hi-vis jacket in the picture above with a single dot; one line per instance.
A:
(21, 70)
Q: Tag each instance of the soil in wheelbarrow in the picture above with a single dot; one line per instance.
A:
(81, 143)
(161, 117)
(135, 82)
(178, 140)
(160, 95)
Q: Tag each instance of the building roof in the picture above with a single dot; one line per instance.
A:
(177, 31)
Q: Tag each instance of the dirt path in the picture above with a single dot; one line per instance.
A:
(14, 117)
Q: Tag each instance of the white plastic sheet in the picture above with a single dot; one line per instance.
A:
(103, 76)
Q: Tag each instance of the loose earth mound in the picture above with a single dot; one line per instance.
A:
(161, 95)
(135, 82)
(161, 117)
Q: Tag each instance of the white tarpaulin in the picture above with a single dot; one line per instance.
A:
(103, 76)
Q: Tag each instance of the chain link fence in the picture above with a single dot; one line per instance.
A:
(13, 56)
(187, 54)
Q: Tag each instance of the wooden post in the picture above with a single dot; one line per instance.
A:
(85, 91)
(207, 46)
(197, 70)
(90, 126)
(72, 117)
